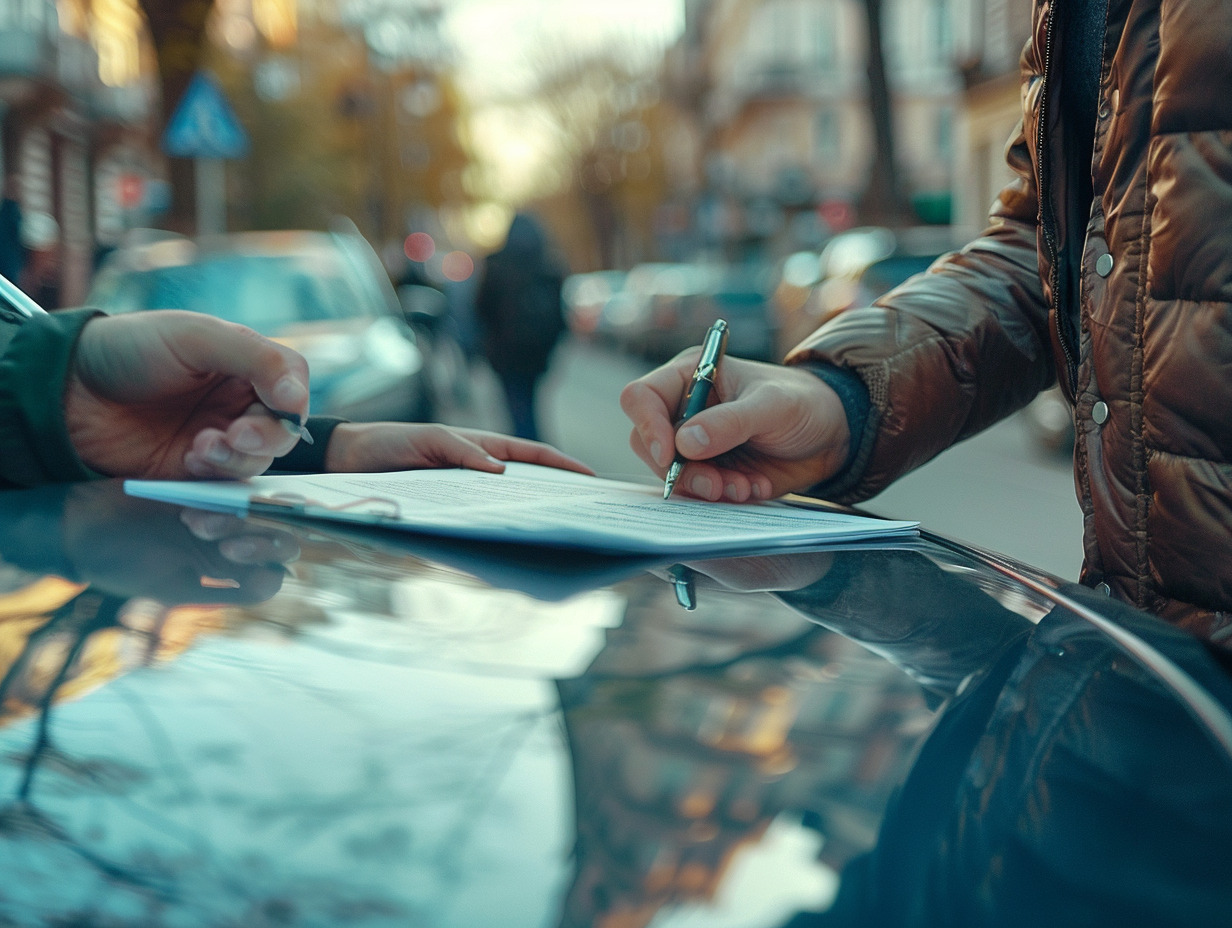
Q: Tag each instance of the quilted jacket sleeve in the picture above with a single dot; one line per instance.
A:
(949, 352)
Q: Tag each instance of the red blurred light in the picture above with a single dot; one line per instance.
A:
(457, 266)
(419, 246)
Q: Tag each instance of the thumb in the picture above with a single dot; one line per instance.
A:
(716, 430)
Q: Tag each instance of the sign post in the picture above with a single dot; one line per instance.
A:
(204, 127)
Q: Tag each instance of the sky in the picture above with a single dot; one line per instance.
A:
(498, 41)
(496, 38)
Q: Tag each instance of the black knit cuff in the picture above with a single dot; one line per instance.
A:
(305, 458)
(861, 423)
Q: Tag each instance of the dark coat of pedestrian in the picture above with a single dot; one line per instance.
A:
(518, 308)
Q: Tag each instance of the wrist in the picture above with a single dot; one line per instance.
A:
(325, 454)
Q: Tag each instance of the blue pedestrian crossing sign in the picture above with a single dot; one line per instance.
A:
(204, 125)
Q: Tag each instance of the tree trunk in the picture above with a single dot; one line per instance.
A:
(884, 201)
(178, 30)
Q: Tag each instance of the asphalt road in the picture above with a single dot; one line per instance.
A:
(995, 491)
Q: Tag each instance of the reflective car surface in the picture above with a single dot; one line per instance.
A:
(209, 721)
(323, 294)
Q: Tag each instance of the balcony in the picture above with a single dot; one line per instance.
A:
(130, 105)
(77, 67)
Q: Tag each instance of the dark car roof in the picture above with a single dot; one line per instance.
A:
(371, 728)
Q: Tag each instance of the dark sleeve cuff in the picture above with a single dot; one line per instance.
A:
(861, 422)
(305, 458)
(33, 371)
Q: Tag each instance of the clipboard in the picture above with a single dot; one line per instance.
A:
(529, 505)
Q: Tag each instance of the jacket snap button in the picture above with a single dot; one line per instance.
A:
(1103, 265)
(1104, 109)
(1099, 412)
(1104, 588)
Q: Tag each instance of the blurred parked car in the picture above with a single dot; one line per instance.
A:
(585, 296)
(738, 293)
(325, 294)
(853, 269)
(665, 308)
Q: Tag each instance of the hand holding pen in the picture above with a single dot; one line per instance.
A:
(291, 422)
(713, 346)
(174, 394)
(778, 429)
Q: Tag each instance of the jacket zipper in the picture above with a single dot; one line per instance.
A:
(1047, 218)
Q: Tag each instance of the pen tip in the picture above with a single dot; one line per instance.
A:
(673, 474)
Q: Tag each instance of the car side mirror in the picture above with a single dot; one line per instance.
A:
(422, 306)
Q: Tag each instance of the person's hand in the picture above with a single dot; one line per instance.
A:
(769, 429)
(770, 573)
(174, 394)
(384, 446)
(156, 551)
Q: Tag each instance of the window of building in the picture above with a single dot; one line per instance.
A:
(941, 31)
(824, 34)
(828, 134)
(943, 129)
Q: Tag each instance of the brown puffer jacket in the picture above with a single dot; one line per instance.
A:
(976, 337)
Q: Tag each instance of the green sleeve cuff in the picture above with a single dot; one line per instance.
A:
(34, 443)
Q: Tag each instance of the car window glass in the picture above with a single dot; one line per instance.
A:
(266, 293)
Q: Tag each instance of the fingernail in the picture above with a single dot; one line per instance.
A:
(730, 491)
(497, 461)
(757, 491)
(289, 393)
(218, 453)
(247, 439)
(296, 431)
(700, 486)
(696, 435)
(656, 452)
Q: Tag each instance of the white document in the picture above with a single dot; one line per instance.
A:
(528, 505)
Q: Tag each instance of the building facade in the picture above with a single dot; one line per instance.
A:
(779, 93)
(991, 102)
(76, 95)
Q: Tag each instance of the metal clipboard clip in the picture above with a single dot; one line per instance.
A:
(370, 510)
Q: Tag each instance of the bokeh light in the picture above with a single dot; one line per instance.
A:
(419, 246)
(457, 266)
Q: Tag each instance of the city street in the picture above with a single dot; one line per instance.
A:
(994, 491)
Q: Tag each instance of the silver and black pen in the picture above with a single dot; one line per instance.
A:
(713, 346)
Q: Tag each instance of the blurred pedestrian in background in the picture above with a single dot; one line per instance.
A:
(519, 312)
(12, 251)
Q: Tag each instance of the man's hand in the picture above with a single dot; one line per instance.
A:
(173, 394)
(386, 446)
(769, 429)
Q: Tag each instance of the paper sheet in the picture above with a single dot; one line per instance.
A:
(529, 505)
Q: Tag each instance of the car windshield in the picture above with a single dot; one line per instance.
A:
(264, 292)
